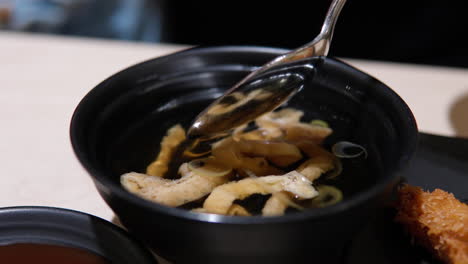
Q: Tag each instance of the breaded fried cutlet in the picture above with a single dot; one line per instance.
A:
(437, 221)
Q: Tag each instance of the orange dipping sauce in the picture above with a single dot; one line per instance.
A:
(31, 253)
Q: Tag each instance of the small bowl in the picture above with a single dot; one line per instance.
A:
(118, 126)
(63, 227)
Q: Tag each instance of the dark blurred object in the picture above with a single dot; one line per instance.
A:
(118, 19)
(5, 14)
(429, 32)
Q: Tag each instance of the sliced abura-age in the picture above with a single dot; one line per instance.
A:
(174, 136)
(278, 203)
(190, 187)
(238, 210)
(230, 153)
(320, 161)
(303, 131)
(286, 123)
(272, 124)
(222, 197)
(280, 117)
(314, 167)
(279, 153)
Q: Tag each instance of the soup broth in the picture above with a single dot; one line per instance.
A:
(29, 253)
(355, 175)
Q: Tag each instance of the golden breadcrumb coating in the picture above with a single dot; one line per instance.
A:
(437, 220)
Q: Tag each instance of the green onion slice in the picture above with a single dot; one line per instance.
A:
(328, 195)
(318, 122)
(345, 149)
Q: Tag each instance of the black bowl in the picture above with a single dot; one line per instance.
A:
(63, 227)
(117, 128)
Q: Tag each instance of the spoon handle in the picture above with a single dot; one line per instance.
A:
(208, 123)
(329, 23)
(317, 47)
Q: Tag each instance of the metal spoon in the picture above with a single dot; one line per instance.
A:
(264, 89)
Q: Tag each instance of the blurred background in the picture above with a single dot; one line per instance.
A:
(425, 32)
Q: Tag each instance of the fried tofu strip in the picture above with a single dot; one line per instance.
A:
(319, 162)
(278, 203)
(286, 123)
(229, 152)
(279, 153)
(316, 166)
(175, 135)
(238, 210)
(279, 118)
(222, 197)
(437, 220)
(240, 99)
(312, 169)
(302, 131)
(274, 207)
(172, 192)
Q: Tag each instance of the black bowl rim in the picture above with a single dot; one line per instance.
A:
(82, 217)
(309, 215)
(36, 209)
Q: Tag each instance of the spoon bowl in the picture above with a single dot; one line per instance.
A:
(254, 101)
